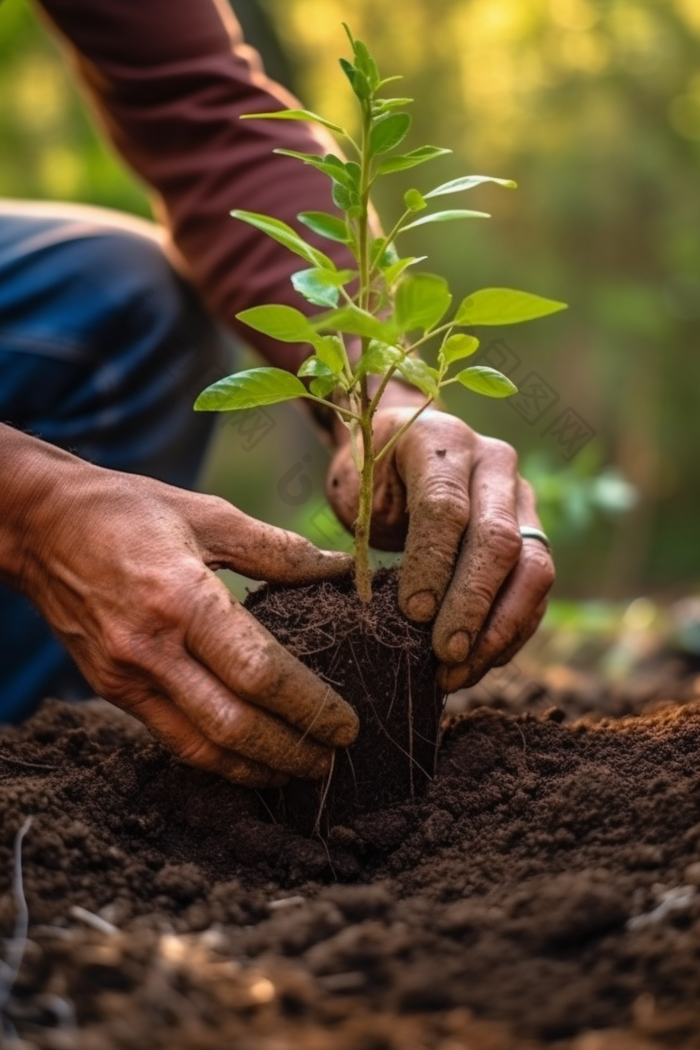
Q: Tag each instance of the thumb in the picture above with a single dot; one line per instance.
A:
(231, 539)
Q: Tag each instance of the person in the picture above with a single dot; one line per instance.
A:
(108, 330)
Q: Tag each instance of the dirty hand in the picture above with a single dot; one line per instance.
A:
(455, 500)
(122, 571)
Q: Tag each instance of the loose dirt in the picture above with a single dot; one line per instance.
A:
(544, 892)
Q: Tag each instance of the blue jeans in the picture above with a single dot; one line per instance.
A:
(103, 349)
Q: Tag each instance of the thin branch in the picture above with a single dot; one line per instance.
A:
(389, 239)
(336, 408)
(401, 431)
(427, 336)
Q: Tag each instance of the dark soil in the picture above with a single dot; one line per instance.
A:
(383, 665)
(544, 892)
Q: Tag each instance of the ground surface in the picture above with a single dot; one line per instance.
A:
(545, 892)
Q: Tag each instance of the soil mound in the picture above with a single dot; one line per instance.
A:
(546, 885)
(384, 666)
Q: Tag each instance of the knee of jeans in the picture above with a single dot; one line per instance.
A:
(140, 287)
(148, 319)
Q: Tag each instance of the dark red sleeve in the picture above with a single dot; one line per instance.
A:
(170, 79)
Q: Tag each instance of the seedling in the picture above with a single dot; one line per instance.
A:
(377, 315)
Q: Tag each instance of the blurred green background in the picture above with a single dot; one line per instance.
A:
(593, 106)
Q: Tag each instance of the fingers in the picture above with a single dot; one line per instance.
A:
(517, 610)
(254, 667)
(233, 540)
(230, 723)
(452, 677)
(435, 463)
(490, 551)
(176, 732)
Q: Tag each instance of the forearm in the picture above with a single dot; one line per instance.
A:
(32, 473)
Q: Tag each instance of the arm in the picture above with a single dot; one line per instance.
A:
(171, 78)
(119, 565)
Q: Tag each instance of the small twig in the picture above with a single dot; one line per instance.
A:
(19, 939)
(385, 449)
(24, 764)
(94, 921)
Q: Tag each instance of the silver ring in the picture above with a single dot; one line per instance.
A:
(528, 532)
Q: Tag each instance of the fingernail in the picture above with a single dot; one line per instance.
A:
(457, 649)
(422, 606)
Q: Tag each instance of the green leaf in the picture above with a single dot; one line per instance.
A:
(447, 216)
(325, 225)
(321, 386)
(348, 33)
(363, 75)
(383, 105)
(279, 231)
(466, 183)
(414, 200)
(382, 254)
(420, 375)
(296, 114)
(281, 322)
(345, 199)
(331, 351)
(487, 381)
(329, 165)
(499, 306)
(349, 70)
(320, 286)
(353, 321)
(421, 301)
(365, 63)
(353, 172)
(378, 359)
(317, 286)
(250, 389)
(457, 347)
(316, 368)
(358, 81)
(387, 132)
(394, 271)
(410, 160)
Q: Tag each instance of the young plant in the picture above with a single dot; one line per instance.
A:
(377, 315)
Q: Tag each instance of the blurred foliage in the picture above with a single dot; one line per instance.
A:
(48, 146)
(571, 499)
(593, 106)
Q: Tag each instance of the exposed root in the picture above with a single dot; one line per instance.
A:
(15, 954)
(383, 665)
(324, 797)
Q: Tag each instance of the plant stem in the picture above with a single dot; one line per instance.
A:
(363, 575)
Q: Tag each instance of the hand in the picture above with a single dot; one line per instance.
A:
(455, 500)
(123, 574)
